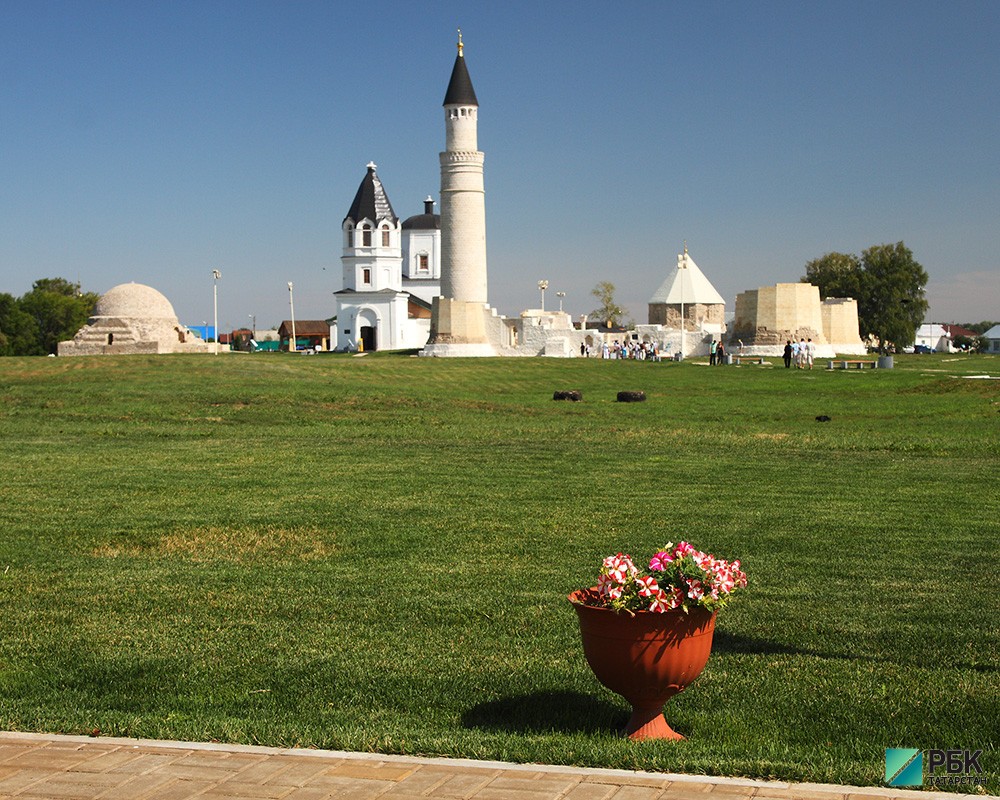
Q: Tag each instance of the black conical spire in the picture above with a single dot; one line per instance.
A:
(371, 201)
(460, 91)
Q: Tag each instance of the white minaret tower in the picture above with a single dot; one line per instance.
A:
(458, 321)
(463, 198)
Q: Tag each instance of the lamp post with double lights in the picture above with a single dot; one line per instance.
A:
(293, 345)
(542, 286)
(560, 295)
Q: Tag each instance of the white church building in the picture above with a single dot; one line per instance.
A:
(391, 273)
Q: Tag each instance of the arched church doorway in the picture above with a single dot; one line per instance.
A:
(369, 343)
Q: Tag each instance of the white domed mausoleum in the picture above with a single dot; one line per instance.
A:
(132, 319)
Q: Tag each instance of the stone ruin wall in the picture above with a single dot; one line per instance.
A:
(669, 315)
(840, 323)
(769, 316)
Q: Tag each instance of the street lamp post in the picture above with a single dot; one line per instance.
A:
(542, 286)
(294, 345)
(560, 295)
(215, 307)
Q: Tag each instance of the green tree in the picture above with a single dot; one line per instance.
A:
(980, 327)
(18, 331)
(609, 311)
(59, 309)
(887, 283)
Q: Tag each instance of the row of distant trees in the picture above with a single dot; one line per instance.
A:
(34, 323)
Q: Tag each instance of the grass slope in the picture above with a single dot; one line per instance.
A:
(373, 554)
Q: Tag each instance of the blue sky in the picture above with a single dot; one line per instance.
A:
(156, 141)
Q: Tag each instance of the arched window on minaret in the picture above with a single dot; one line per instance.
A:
(366, 235)
(385, 236)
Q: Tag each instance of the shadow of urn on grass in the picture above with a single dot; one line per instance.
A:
(569, 712)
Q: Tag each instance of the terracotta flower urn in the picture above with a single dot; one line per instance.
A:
(645, 656)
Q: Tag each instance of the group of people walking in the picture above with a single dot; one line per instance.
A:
(639, 351)
(801, 353)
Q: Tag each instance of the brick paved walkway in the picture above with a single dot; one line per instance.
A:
(81, 768)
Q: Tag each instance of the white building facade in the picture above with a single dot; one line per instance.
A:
(378, 308)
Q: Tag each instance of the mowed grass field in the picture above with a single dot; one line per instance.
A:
(374, 554)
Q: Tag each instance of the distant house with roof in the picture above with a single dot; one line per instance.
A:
(310, 334)
(992, 337)
(935, 336)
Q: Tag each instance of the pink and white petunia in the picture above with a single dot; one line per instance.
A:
(661, 602)
(619, 567)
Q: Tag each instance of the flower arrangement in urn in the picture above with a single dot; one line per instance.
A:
(648, 634)
(679, 577)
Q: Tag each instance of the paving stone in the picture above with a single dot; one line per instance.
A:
(652, 781)
(682, 790)
(551, 785)
(178, 790)
(145, 762)
(300, 772)
(377, 770)
(724, 791)
(464, 784)
(590, 791)
(20, 778)
(638, 793)
(105, 762)
(63, 786)
(423, 780)
(199, 772)
(490, 793)
(134, 787)
(308, 794)
(264, 770)
(47, 758)
(245, 791)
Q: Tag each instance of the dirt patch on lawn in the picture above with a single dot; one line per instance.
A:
(211, 543)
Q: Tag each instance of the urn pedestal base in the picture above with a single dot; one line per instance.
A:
(644, 656)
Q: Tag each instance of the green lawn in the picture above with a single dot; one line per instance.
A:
(374, 553)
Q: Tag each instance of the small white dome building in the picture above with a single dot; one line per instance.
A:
(131, 319)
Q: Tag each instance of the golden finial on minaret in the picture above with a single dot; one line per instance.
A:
(460, 45)
(685, 247)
